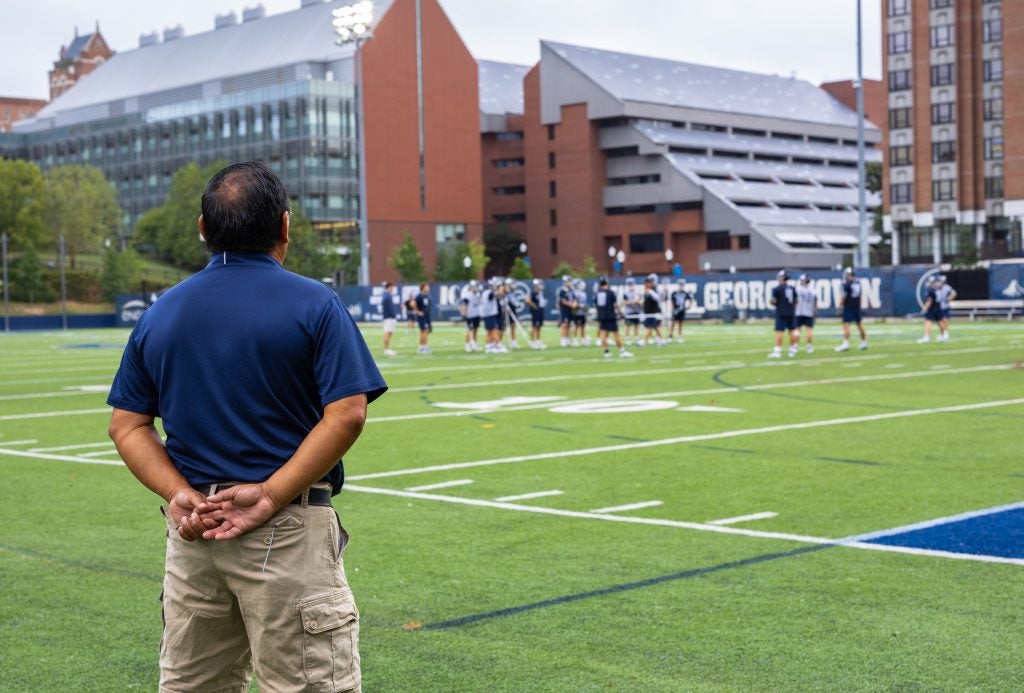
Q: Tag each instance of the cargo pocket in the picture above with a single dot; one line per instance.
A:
(330, 647)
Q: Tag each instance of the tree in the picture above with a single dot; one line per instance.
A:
(589, 267)
(451, 261)
(502, 245)
(561, 269)
(307, 253)
(408, 262)
(82, 207)
(22, 200)
(520, 270)
(27, 277)
(873, 177)
(120, 271)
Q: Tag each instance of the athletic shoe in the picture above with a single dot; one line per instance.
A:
(500, 349)
(944, 337)
(776, 354)
(426, 350)
(623, 354)
(810, 348)
(469, 348)
(924, 340)
(564, 342)
(628, 340)
(575, 342)
(845, 346)
(863, 345)
(792, 351)
(641, 343)
(390, 352)
(513, 344)
(586, 341)
(661, 342)
(607, 354)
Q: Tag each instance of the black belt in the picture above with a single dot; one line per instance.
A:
(314, 496)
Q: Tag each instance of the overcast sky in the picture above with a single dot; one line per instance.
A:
(812, 39)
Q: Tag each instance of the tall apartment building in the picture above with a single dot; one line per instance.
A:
(954, 129)
(13, 109)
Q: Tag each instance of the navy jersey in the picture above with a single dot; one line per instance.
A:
(604, 299)
(566, 298)
(680, 297)
(423, 304)
(388, 309)
(784, 296)
(537, 301)
(851, 294)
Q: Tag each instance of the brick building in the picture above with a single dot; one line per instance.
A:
(644, 155)
(955, 73)
(13, 109)
(82, 56)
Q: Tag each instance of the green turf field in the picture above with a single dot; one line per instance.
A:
(697, 518)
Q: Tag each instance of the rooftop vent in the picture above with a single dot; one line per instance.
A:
(150, 39)
(252, 13)
(222, 21)
(173, 33)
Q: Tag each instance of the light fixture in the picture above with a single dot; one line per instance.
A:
(353, 22)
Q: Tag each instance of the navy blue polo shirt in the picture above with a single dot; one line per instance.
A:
(239, 361)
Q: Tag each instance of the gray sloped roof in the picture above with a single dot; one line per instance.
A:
(302, 35)
(656, 80)
(501, 87)
(76, 47)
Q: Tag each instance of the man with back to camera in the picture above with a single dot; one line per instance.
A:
(681, 300)
(651, 311)
(806, 311)
(946, 294)
(536, 303)
(469, 306)
(262, 379)
(631, 302)
(566, 298)
(932, 310)
(850, 303)
(421, 306)
(389, 317)
(784, 298)
(608, 318)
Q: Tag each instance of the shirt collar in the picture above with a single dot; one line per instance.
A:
(230, 258)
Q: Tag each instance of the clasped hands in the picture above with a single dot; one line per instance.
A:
(224, 515)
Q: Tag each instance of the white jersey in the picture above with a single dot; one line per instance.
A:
(488, 304)
(807, 299)
(470, 299)
(944, 293)
(631, 300)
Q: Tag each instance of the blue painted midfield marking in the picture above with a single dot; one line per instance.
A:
(998, 534)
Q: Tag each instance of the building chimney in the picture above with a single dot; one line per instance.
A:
(150, 39)
(173, 33)
(222, 21)
(252, 13)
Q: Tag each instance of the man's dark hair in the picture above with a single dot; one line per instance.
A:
(242, 208)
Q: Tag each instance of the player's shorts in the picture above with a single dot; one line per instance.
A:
(537, 318)
(564, 316)
(679, 315)
(579, 320)
(933, 314)
(389, 324)
(608, 325)
(851, 314)
(473, 323)
(785, 323)
(424, 324)
(501, 320)
(946, 312)
(491, 322)
(804, 321)
(632, 320)
(652, 323)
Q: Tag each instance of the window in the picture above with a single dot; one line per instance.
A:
(993, 109)
(899, 156)
(939, 4)
(509, 217)
(941, 36)
(553, 217)
(552, 189)
(899, 42)
(994, 187)
(447, 233)
(992, 70)
(943, 113)
(950, 237)
(646, 243)
(510, 190)
(900, 193)
(899, 80)
(509, 136)
(554, 246)
(943, 190)
(943, 152)
(992, 30)
(898, 8)
(942, 74)
(508, 163)
(718, 240)
(637, 180)
(551, 160)
(899, 118)
(993, 148)
(551, 132)
(743, 242)
(915, 243)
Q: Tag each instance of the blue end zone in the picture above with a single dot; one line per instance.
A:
(999, 534)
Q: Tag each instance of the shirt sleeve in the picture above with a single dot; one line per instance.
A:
(342, 362)
(133, 388)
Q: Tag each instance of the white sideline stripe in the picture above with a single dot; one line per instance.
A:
(41, 395)
(30, 441)
(705, 527)
(692, 439)
(101, 453)
(628, 507)
(61, 448)
(443, 484)
(744, 518)
(927, 524)
(47, 414)
(58, 458)
(709, 391)
(528, 496)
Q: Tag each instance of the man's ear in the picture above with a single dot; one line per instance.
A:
(285, 226)
(202, 229)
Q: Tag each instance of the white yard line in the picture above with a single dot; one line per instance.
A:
(57, 458)
(48, 414)
(708, 391)
(744, 518)
(43, 395)
(528, 496)
(692, 439)
(101, 453)
(77, 446)
(443, 484)
(628, 507)
(29, 441)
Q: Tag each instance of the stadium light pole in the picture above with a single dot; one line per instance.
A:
(863, 257)
(7, 298)
(353, 24)
(63, 288)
